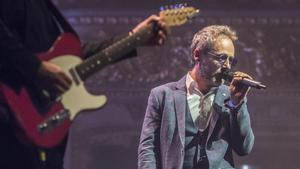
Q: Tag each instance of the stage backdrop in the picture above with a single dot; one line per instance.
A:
(268, 49)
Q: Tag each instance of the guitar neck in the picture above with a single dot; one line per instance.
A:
(118, 50)
(114, 52)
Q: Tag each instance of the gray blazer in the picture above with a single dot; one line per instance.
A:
(163, 133)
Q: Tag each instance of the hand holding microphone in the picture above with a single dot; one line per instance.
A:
(240, 84)
(228, 76)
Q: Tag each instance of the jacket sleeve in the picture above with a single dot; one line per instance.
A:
(242, 137)
(16, 56)
(149, 149)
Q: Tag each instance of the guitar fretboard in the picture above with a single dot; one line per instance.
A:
(114, 52)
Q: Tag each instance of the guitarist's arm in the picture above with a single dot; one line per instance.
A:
(15, 55)
(90, 48)
(19, 62)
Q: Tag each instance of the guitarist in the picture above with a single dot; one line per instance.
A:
(28, 27)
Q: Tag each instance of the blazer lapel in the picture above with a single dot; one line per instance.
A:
(218, 106)
(180, 107)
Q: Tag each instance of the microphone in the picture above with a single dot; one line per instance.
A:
(228, 76)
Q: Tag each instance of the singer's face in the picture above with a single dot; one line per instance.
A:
(216, 59)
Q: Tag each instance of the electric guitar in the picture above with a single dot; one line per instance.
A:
(46, 121)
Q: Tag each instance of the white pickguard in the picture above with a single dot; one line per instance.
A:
(77, 99)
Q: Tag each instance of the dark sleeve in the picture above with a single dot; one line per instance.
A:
(16, 56)
(90, 48)
(241, 131)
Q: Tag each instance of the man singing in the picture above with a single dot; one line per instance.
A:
(196, 122)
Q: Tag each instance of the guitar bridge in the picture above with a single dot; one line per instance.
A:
(53, 121)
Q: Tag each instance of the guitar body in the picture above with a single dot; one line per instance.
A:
(36, 119)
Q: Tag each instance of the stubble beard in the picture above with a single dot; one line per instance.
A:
(212, 79)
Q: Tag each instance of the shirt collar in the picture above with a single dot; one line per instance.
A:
(192, 87)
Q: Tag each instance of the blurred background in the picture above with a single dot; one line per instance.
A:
(268, 49)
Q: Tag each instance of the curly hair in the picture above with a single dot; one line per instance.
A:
(204, 39)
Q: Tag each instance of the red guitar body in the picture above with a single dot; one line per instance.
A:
(27, 115)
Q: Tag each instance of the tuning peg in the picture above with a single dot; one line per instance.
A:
(177, 6)
(161, 8)
(164, 8)
(180, 6)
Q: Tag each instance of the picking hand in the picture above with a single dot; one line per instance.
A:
(162, 33)
(237, 90)
(53, 79)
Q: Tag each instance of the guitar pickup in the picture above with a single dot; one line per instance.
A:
(53, 121)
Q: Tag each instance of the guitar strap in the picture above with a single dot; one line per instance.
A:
(60, 19)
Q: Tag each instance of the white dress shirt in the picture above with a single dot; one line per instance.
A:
(199, 104)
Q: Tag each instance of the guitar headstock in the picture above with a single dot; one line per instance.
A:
(176, 15)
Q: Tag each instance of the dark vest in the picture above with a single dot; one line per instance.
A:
(195, 155)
